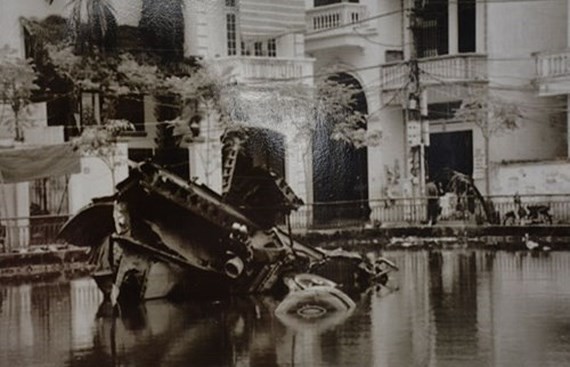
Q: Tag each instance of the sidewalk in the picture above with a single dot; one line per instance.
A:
(44, 262)
(444, 234)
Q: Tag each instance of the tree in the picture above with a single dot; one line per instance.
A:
(93, 24)
(17, 84)
(491, 116)
(101, 141)
(162, 25)
(304, 106)
(110, 76)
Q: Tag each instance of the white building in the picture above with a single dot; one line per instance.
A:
(461, 46)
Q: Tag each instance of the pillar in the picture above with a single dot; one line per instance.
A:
(453, 28)
(568, 128)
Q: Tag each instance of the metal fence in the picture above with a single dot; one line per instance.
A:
(413, 211)
(28, 233)
(17, 234)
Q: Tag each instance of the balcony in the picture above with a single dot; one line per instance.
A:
(553, 72)
(337, 25)
(460, 68)
(250, 69)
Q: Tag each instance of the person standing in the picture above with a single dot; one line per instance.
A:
(432, 202)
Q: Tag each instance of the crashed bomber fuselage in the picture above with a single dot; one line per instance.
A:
(170, 237)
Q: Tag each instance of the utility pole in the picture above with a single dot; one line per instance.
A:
(417, 133)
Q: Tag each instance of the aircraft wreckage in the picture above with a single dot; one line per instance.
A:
(162, 236)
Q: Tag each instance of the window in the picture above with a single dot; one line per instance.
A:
(272, 48)
(394, 55)
(443, 111)
(244, 49)
(231, 34)
(258, 49)
(140, 154)
(90, 108)
(433, 33)
(329, 2)
(466, 21)
(231, 3)
(131, 108)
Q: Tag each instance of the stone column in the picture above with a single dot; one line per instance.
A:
(481, 27)
(205, 157)
(568, 126)
(453, 28)
(568, 24)
(16, 206)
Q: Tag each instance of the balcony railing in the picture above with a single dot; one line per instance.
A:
(247, 68)
(553, 72)
(437, 70)
(333, 16)
(553, 64)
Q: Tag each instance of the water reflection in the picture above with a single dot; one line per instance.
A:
(468, 308)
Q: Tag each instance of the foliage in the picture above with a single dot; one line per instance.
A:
(17, 83)
(112, 75)
(162, 25)
(93, 24)
(305, 106)
(97, 139)
(100, 141)
(492, 116)
(217, 93)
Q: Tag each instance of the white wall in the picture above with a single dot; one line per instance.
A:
(551, 177)
(542, 133)
(33, 116)
(530, 27)
(11, 11)
(95, 179)
(205, 160)
(388, 155)
(205, 28)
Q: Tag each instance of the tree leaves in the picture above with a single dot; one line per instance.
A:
(491, 115)
(17, 83)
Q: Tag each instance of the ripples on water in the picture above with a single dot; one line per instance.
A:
(453, 309)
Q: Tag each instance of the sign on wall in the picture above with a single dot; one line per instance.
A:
(414, 133)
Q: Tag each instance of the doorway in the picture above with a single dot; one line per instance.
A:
(450, 150)
(340, 171)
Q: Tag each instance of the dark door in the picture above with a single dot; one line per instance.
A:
(450, 150)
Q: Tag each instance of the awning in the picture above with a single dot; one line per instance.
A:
(27, 164)
(265, 19)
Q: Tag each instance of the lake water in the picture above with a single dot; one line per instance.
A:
(453, 308)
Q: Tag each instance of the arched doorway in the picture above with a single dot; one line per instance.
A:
(340, 171)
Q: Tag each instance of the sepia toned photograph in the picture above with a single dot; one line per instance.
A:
(258, 183)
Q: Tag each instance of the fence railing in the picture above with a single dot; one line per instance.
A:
(29, 233)
(553, 64)
(26, 233)
(250, 68)
(440, 69)
(334, 16)
(413, 211)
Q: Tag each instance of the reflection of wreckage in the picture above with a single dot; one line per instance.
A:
(162, 236)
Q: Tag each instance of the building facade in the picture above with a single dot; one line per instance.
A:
(462, 48)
